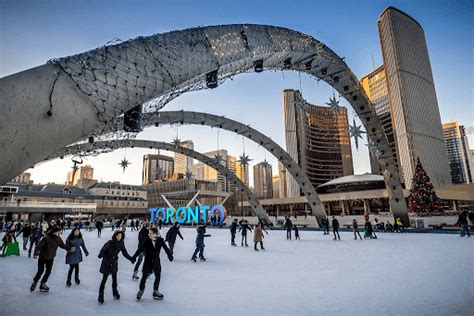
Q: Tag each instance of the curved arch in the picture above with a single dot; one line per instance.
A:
(76, 95)
(250, 197)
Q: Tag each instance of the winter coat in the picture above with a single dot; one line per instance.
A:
(368, 227)
(244, 226)
(355, 226)
(99, 225)
(109, 254)
(152, 253)
(142, 235)
(462, 219)
(26, 231)
(233, 228)
(76, 256)
(335, 223)
(288, 224)
(172, 233)
(48, 246)
(257, 234)
(201, 233)
(36, 233)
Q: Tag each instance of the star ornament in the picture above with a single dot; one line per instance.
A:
(265, 163)
(124, 164)
(356, 132)
(188, 175)
(374, 151)
(244, 159)
(218, 158)
(177, 142)
(334, 104)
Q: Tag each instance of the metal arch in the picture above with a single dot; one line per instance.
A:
(251, 198)
(199, 118)
(113, 79)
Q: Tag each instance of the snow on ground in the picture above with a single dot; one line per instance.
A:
(397, 274)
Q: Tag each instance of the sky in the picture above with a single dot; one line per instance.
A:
(32, 32)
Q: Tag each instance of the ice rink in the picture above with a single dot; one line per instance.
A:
(397, 274)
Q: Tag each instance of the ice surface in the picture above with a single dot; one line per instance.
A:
(397, 274)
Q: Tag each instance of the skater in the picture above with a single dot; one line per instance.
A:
(132, 225)
(171, 236)
(463, 223)
(326, 228)
(244, 226)
(73, 258)
(109, 255)
(160, 223)
(201, 233)
(99, 225)
(45, 252)
(369, 231)
(289, 225)
(8, 238)
(335, 228)
(151, 247)
(258, 237)
(142, 235)
(355, 228)
(233, 231)
(26, 230)
(297, 232)
(35, 237)
(323, 224)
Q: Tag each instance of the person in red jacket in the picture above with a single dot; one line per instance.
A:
(45, 252)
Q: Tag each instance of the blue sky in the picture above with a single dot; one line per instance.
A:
(31, 32)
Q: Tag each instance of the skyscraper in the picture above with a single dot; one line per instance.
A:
(183, 163)
(85, 172)
(157, 167)
(204, 172)
(262, 179)
(412, 97)
(242, 172)
(283, 181)
(457, 146)
(317, 139)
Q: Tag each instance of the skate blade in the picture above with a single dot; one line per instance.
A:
(158, 298)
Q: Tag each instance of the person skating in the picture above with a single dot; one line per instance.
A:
(464, 225)
(99, 225)
(244, 227)
(355, 228)
(45, 252)
(289, 225)
(26, 230)
(151, 247)
(171, 236)
(73, 258)
(233, 231)
(297, 232)
(323, 224)
(132, 225)
(369, 231)
(258, 237)
(142, 235)
(335, 228)
(201, 233)
(109, 255)
(36, 234)
(8, 238)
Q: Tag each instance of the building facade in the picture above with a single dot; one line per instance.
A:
(457, 146)
(82, 173)
(317, 139)
(202, 171)
(183, 163)
(157, 168)
(262, 179)
(412, 96)
(22, 178)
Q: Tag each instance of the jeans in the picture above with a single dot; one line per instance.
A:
(465, 230)
(356, 232)
(41, 267)
(25, 242)
(288, 233)
(74, 267)
(201, 252)
(335, 231)
(171, 244)
(232, 238)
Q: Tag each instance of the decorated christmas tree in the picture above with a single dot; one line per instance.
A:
(422, 198)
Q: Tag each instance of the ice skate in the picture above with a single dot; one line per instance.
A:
(157, 295)
(33, 286)
(139, 295)
(44, 288)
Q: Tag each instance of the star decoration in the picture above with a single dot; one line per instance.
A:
(218, 158)
(334, 104)
(374, 151)
(265, 163)
(124, 164)
(244, 159)
(177, 142)
(356, 132)
(188, 175)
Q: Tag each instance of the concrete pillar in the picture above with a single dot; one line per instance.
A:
(367, 206)
(455, 206)
(343, 206)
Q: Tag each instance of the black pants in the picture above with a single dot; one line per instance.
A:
(157, 271)
(33, 241)
(200, 250)
(326, 229)
(104, 280)
(335, 231)
(244, 237)
(42, 264)
(288, 233)
(99, 232)
(261, 244)
(171, 244)
(357, 232)
(140, 259)
(74, 267)
(232, 238)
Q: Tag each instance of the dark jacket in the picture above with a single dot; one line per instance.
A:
(76, 256)
(152, 253)
(244, 226)
(109, 254)
(233, 228)
(288, 224)
(99, 225)
(335, 223)
(201, 233)
(26, 231)
(462, 219)
(355, 226)
(36, 233)
(172, 233)
(142, 235)
(48, 246)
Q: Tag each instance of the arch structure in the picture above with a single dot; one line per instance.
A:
(211, 162)
(49, 107)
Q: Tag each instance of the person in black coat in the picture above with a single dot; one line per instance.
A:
(99, 225)
(289, 225)
(35, 236)
(26, 230)
(142, 235)
(233, 231)
(297, 232)
(201, 233)
(325, 225)
(109, 255)
(355, 228)
(335, 228)
(151, 247)
(244, 226)
(171, 235)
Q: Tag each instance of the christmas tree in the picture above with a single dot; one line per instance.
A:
(422, 198)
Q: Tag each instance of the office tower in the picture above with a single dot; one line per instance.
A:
(156, 168)
(457, 146)
(262, 179)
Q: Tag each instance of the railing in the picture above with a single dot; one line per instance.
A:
(85, 207)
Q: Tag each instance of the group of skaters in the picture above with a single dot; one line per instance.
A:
(244, 227)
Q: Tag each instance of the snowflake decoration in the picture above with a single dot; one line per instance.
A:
(177, 142)
(244, 159)
(374, 150)
(218, 158)
(188, 175)
(334, 104)
(356, 132)
(124, 164)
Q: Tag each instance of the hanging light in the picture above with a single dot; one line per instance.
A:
(258, 65)
(211, 79)
(91, 139)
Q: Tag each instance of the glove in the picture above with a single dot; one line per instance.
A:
(72, 249)
(35, 257)
(170, 258)
(87, 254)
